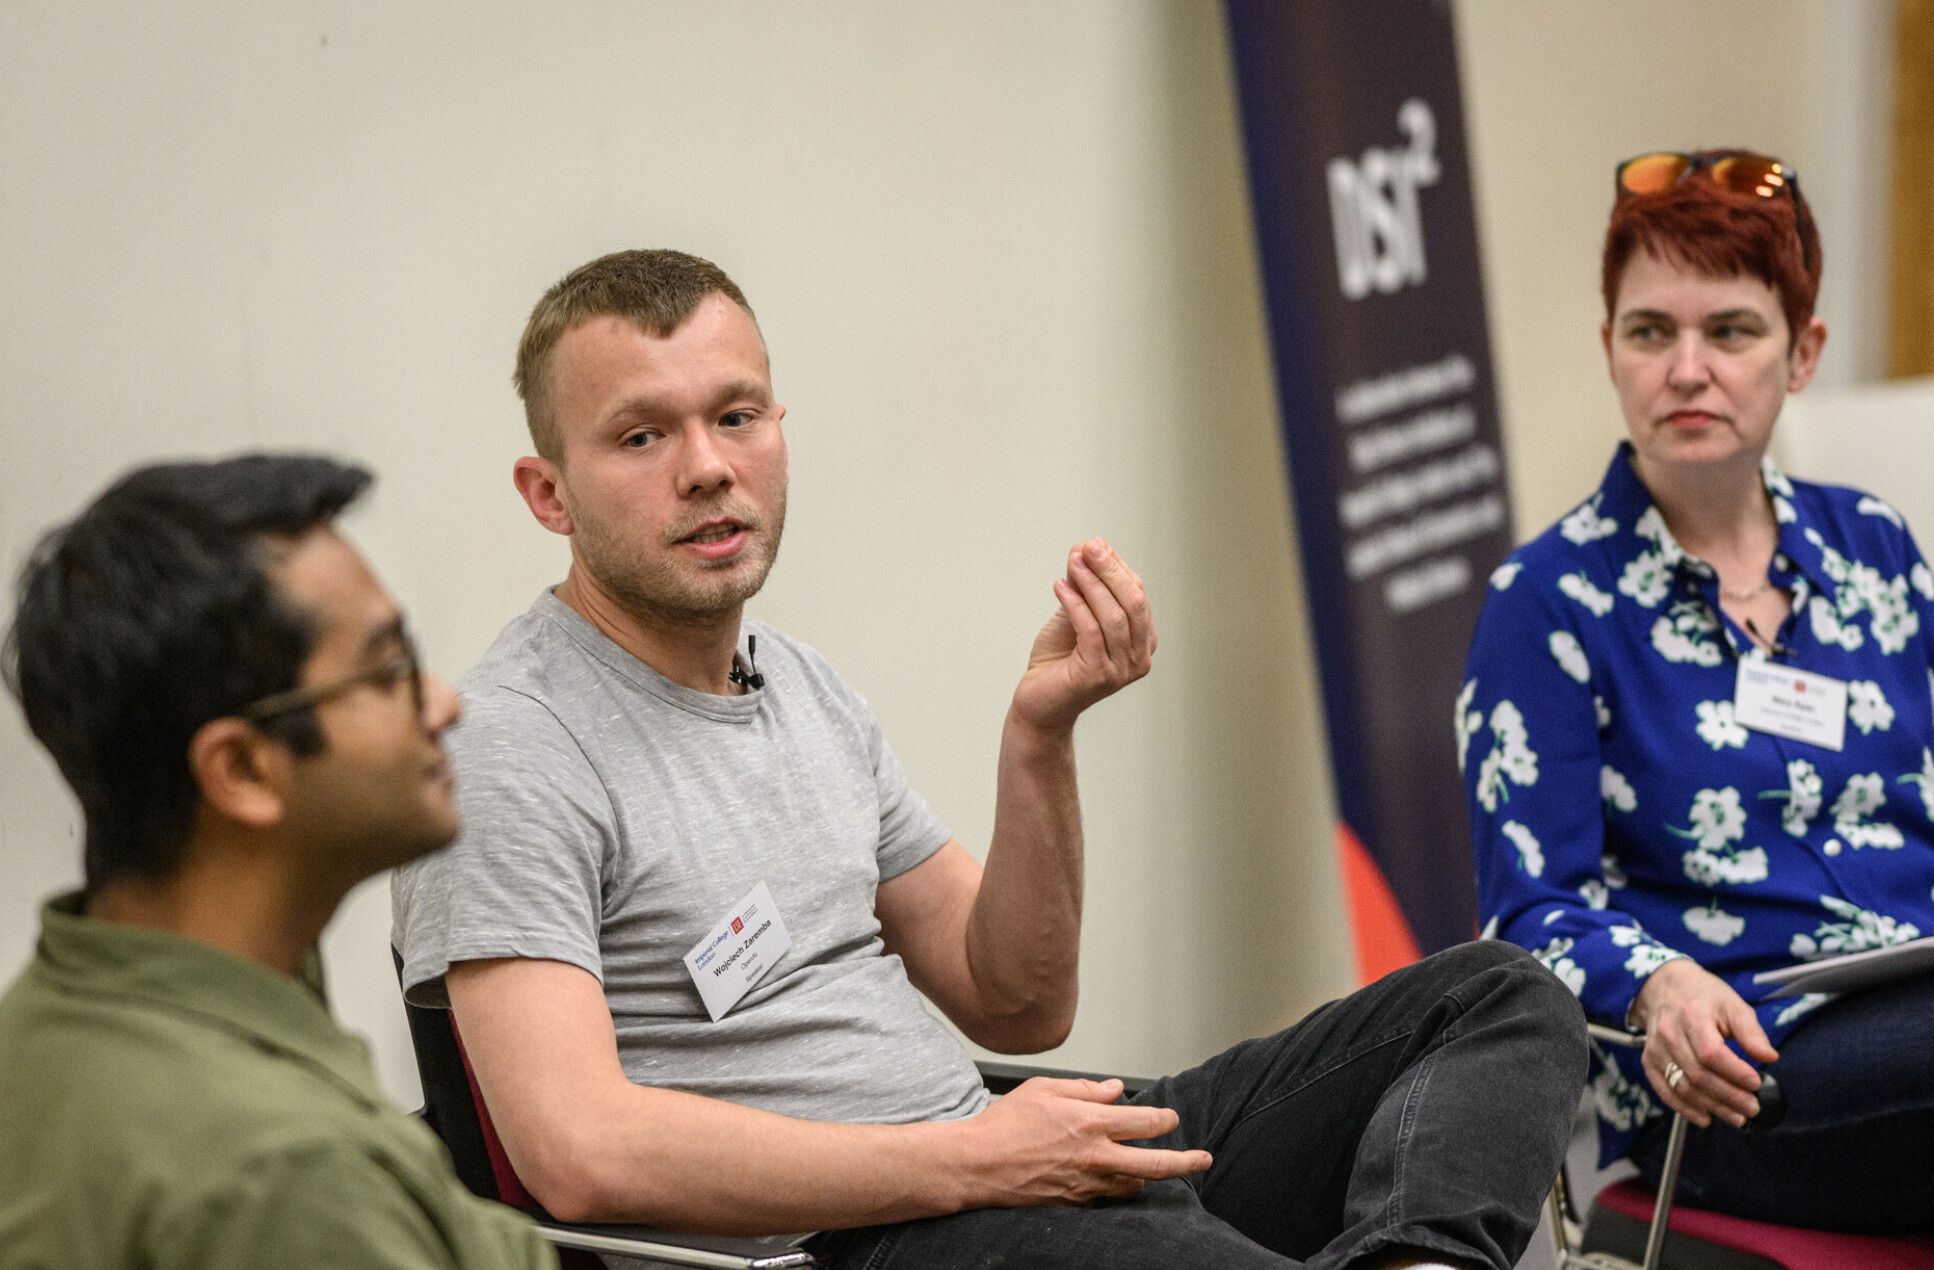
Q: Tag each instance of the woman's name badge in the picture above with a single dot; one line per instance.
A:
(737, 953)
(1800, 705)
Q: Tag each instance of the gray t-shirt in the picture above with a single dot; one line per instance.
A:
(613, 817)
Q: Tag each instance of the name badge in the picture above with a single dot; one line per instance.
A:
(1797, 704)
(737, 953)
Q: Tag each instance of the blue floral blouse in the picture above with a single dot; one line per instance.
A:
(1622, 817)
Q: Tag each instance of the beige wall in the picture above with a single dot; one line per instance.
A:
(1001, 255)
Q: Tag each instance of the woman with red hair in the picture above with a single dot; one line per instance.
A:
(1697, 736)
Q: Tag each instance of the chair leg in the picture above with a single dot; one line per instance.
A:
(1675, 1149)
(1560, 1206)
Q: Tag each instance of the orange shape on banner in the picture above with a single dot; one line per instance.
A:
(1377, 926)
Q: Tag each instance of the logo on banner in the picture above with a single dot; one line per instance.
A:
(1375, 212)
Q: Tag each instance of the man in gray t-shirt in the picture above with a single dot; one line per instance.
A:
(687, 928)
(616, 815)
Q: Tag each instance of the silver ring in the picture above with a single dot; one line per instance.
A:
(1675, 1075)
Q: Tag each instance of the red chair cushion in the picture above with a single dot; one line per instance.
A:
(510, 1188)
(1790, 1246)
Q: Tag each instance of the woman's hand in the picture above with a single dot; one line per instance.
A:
(1688, 1014)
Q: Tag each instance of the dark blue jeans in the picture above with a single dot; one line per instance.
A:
(1856, 1149)
(1427, 1112)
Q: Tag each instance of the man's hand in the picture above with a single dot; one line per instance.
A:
(1688, 1014)
(1100, 640)
(1061, 1143)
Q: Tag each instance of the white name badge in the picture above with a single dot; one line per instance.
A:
(738, 952)
(1800, 705)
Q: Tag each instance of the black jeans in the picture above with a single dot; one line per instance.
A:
(1856, 1149)
(1428, 1111)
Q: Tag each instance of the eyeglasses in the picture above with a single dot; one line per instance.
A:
(400, 670)
(1739, 171)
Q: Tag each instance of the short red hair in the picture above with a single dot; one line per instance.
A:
(1703, 226)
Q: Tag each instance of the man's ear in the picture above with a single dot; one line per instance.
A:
(541, 483)
(242, 775)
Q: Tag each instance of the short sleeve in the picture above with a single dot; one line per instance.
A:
(525, 877)
(910, 829)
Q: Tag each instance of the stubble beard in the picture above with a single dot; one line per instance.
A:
(657, 590)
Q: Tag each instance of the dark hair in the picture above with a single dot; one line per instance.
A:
(655, 289)
(1702, 225)
(148, 615)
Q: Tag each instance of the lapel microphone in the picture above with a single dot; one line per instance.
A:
(1772, 646)
(740, 675)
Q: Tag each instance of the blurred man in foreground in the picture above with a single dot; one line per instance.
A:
(236, 703)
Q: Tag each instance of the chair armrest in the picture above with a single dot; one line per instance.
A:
(674, 1248)
(1624, 1038)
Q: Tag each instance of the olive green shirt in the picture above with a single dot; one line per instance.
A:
(163, 1104)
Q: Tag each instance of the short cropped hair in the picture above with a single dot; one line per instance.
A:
(1701, 225)
(150, 614)
(656, 289)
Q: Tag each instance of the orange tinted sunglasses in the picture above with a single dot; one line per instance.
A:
(1739, 171)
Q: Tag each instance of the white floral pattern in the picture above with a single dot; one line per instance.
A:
(1802, 795)
(1859, 800)
(1828, 629)
(1862, 589)
(1717, 819)
(1803, 1004)
(1580, 588)
(1616, 790)
(1924, 779)
(1623, 1104)
(1505, 574)
(1647, 954)
(1714, 924)
(1511, 761)
(1718, 822)
(1685, 636)
(1531, 856)
(1554, 957)
(1467, 722)
(1586, 525)
(1867, 707)
(1858, 930)
(1717, 727)
(1646, 579)
(1571, 656)
(1871, 506)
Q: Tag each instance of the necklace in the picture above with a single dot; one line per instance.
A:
(1742, 597)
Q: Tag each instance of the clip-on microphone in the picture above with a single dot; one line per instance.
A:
(739, 674)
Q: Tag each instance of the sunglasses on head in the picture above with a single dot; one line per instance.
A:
(1738, 171)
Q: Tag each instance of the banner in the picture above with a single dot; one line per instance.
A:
(1360, 185)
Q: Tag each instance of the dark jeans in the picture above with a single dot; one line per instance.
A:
(1427, 1111)
(1856, 1149)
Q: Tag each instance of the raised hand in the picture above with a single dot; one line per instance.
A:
(1100, 640)
(1688, 1015)
(1062, 1142)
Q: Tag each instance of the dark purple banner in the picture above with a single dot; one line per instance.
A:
(1360, 184)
